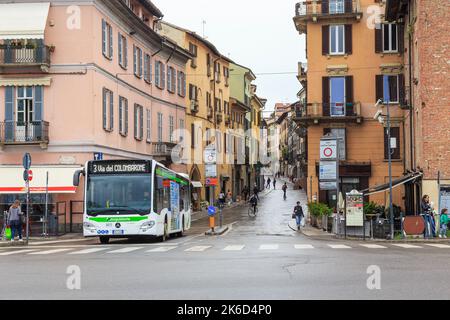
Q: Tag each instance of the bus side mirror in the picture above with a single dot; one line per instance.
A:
(76, 177)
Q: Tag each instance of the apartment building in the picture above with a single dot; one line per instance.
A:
(427, 113)
(79, 81)
(355, 59)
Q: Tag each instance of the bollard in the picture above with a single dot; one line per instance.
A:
(212, 223)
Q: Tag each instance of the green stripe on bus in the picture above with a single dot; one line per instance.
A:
(118, 219)
(168, 175)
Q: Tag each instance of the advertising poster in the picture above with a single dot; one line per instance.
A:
(355, 210)
(175, 205)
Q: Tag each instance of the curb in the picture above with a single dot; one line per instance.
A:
(217, 233)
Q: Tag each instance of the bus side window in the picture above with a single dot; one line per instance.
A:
(159, 195)
(181, 198)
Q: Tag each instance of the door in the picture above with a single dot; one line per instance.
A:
(24, 114)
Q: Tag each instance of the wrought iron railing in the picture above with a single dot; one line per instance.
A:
(329, 7)
(23, 55)
(24, 132)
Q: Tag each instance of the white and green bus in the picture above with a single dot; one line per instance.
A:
(134, 198)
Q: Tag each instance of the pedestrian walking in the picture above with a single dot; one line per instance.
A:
(444, 223)
(298, 215)
(245, 193)
(269, 181)
(222, 198)
(15, 215)
(229, 197)
(256, 190)
(274, 184)
(285, 188)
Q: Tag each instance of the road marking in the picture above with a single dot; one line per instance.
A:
(15, 252)
(125, 250)
(87, 251)
(440, 246)
(373, 246)
(58, 241)
(234, 248)
(269, 247)
(198, 249)
(303, 246)
(339, 246)
(407, 246)
(162, 249)
(49, 252)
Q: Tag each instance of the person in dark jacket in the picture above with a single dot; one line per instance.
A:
(427, 212)
(299, 215)
(15, 220)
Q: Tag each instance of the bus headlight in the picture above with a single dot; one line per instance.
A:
(89, 226)
(147, 225)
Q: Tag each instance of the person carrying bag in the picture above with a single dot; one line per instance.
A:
(298, 215)
(15, 216)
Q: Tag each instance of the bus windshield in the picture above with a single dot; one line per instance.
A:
(123, 194)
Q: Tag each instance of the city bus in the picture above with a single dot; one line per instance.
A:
(134, 198)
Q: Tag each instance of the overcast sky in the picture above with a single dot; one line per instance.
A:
(258, 34)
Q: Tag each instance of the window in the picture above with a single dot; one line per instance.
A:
(108, 110)
(193, 92)
(226, 107)
(208, 64)
(171, 79)
(337, 96)
(149, 125)
(138, 62)
(218, 105)
(390, 89)
(161, 199)
(160, 127)
(25, 106)
(226, 74)
(123, 51)
(336, 6)
(148, 69)
(217, 72)
(390, 37)
(171, 128)
(181, 130)
(160, 75)
(138, 122)
(193, 49)
(193, 135)
(395, 144)
(340, 134)
(181, 84)
(123, 116)
(107, 40)
(337, 39)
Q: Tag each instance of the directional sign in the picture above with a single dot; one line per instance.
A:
(328, 150)
(27, 161)
(328, 170)
(211, 211)
(98, 156)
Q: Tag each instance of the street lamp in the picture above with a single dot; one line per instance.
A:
(379, 116)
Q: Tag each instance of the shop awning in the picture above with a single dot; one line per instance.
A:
(197, 184)
(23, 20)
(395, 183)
(25, 82)
(60, 179)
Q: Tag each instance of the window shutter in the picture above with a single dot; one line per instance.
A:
(140, 62)
(104, 37)
(125, 44)
(395, 133)
(193, 135)
(379, 91)
(119, 41)
(325, 40)
(9, 113)
(378, 38)
(135, 59)
(401, 38)
(111, 50)
(141, 122)
(38, 103)
(349, 92)
(348, 39)
(401, 89)
(111, 111)
(326, 96)
(126, 117)
(325, 6)
(348, 6)
(135, 121)
(163, 76)
(104, 107)
(121, 102)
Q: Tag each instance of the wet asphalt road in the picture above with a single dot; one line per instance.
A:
(258, 258)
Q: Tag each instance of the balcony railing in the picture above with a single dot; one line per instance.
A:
(315, 10)
(163, 149)
(316, 113)
(23, 133)
(24, 56)
(302, 72)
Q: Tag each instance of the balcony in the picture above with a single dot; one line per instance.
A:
(24, 56)
(302, 73)
(21, 133)
(219, 118)
(162, 149)
(320, 10)
(318, 113)
(194, 106)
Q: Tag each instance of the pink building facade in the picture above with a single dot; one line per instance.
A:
(82, 81)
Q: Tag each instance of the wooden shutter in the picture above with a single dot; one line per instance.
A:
(104, 107)
(193, 135)
(126, 116)
(325, 40)
(38, 103)
(325, 6)
(125, 45)
(326, 96)
(110, 34)
(378, 38)
(111, 111)
(141, 122)
(401, 38)
(348, 6)
(379, 91)
(349, 96)
(119, 41)
(163, 75)
(9, 113)
(401, 89)
(135, 122)
(104, 37)
(348, 39)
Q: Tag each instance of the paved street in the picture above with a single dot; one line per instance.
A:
(260, 258)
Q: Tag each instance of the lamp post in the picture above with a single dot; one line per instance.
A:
(391, 209)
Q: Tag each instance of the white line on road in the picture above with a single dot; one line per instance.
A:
(126, 250)
(269, 247)
(198, 249)
(440, 246)
(48, 252)
(15, 252)
(407, 246)
(303, 246)
(234, 248)
(339, 246)
(58, 241)
(373, 246)
(87, 251)
(162, 249)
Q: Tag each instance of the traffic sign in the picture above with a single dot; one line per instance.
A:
(98, 156)
(211, 182)
(328, 150)
(211, 211)
(210, 156)
(30, 175)
(27, 175)
(27, 161)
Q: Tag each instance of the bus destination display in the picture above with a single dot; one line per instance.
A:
(117, 167)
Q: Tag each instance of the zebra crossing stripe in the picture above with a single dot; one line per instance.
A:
(407, 246)
(339, 246)
(373, 246)
(87, 251)
(303, 246)
(269, 247)
(234, 248)
(49, 252)
(198, 249)
(440, 246)
(162, 249)
(10, 253)
(125, 250)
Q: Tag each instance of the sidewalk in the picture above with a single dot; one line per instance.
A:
(48, 240)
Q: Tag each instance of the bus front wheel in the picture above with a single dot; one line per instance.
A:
(104, 240)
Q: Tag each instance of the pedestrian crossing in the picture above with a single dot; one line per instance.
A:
(192, 249)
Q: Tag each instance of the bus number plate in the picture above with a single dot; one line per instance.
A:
(118, 232)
